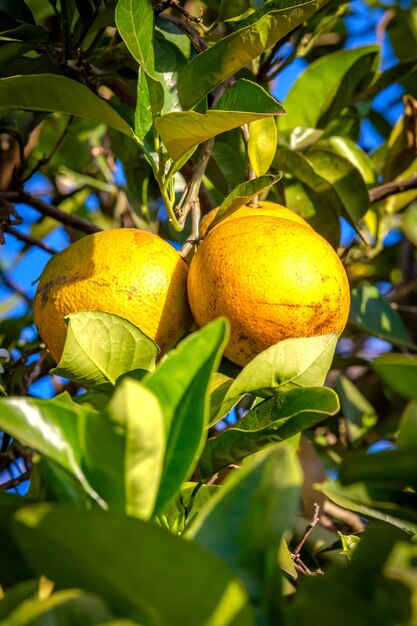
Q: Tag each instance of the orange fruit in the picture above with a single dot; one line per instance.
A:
(272, 278)
(265, 208)
(129, 272)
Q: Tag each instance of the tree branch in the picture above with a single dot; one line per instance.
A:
(389, 189)
(32, 241)
(15, 482)
(189, 30)
(77, 223)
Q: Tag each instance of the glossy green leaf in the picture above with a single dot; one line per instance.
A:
(346, 181)
(180, 383)
(192, 498)
(241, 195)
(327, 86)
(375, 502)
(270, 422)
(137, 470)
(358, 157)
(262, 145)
(398, 371)
(287, 365)
(211, 67)
(359, 414)
(336, 182)
(373, 313)
(101, 346)
(135, 22)
(243, 102)
(62, 607)
(245, 522)
(135, 570)
(228, 164)
(52, 93)
(50, 427)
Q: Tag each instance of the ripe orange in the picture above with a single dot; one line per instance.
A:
(132, 273)
(265, 208)
(273, 278)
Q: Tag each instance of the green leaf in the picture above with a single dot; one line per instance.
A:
(17, 595)
(241, 195)
(358, 157)
(373, 313)
(337, 183)
(242, 103)
(401, 147)
(180, 383)
(375, 502)
(231, 9)
(101, 346)
(390, 466)
(135, 22)
(346, 181)
(51, 428)
(137, 470)
(270, 422)
(408, 426)
(327, 86)
(135, 566)
(52, 93)
(398, 371)
(62, 607)
(13, 566)
(359, 414)
(289, 364)
(262, 144)
(245, 522)
(211, 67)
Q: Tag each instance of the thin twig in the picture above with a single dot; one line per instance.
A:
(29, 239)
(299, 565)
(189, 30)
(389, 189)
(78, 223)
(15, 482)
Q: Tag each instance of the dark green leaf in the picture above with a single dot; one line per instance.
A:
(211, 67)
(390, 466)
(18, 9)
(181, 385)
(101, 346)
(135, 569)
(17, 595)
(373, 313)
(13, 566)
(398, 371)
(327, 86)
(49, 92)
(375, 502)
(336, 182)
(245, 522)
(270, 422)
(408, 426)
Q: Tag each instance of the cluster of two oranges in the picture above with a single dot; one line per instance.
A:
(265, 269)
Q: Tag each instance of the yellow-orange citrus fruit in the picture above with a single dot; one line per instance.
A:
(272, 278)
(265, 208)
(129, 272)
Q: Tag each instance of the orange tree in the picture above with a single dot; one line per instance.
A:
(185, 489)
